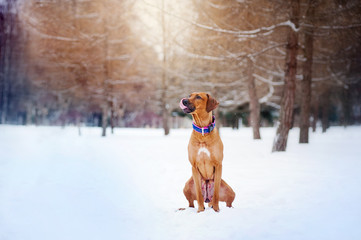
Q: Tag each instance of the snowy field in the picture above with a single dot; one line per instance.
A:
(56, 185)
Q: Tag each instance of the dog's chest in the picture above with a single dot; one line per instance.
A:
(203, 151)
(203, 160)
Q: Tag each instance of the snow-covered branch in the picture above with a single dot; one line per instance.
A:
(333, 27)
(238, 33)
(268, 81)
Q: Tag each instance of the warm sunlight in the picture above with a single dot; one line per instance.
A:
(160, 19)
(180, 119)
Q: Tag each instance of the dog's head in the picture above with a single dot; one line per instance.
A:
(198, 102)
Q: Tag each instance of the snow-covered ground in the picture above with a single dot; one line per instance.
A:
(55, 184)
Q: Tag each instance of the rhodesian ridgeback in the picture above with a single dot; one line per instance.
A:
(205, 153)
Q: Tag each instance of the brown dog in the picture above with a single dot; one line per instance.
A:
(205, 153)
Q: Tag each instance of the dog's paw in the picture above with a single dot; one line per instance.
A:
(200, 209)
(216, 208)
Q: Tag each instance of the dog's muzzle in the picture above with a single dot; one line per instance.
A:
(185, 105)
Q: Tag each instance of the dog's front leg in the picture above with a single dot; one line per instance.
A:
(197, 182)
(217, 186)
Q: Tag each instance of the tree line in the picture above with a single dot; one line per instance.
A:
(127, 63)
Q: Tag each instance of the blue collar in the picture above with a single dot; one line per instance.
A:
(206, 129)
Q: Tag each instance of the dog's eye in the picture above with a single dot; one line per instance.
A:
(198, 97)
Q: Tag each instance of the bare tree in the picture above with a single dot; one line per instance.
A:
(253, 102)
(7, 40)
(307, 74)
(164, 89)
(86, 57)
(288, 98)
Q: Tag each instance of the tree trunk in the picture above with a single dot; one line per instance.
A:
(307, 77)
(286, 112)
(164, 102)
(78, 124)
(253, 102)
(346, 107)
(315, 114)
(325, 111)
(104, 120)
(4, 100)
(37, 116)
(3, 83)
(165, 118)
(112, 116)
(105, 80)
(29, 113)
(7, 25)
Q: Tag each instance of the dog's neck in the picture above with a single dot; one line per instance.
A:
(203, 119)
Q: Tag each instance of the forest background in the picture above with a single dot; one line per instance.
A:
(128, 63)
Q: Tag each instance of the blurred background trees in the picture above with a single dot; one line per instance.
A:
(127, 63)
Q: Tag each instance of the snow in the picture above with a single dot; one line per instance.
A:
(55, 184)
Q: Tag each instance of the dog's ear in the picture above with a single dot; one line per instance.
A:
(211, 104)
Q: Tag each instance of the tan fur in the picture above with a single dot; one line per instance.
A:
(206, 165)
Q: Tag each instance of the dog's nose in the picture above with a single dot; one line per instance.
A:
(185, 101)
